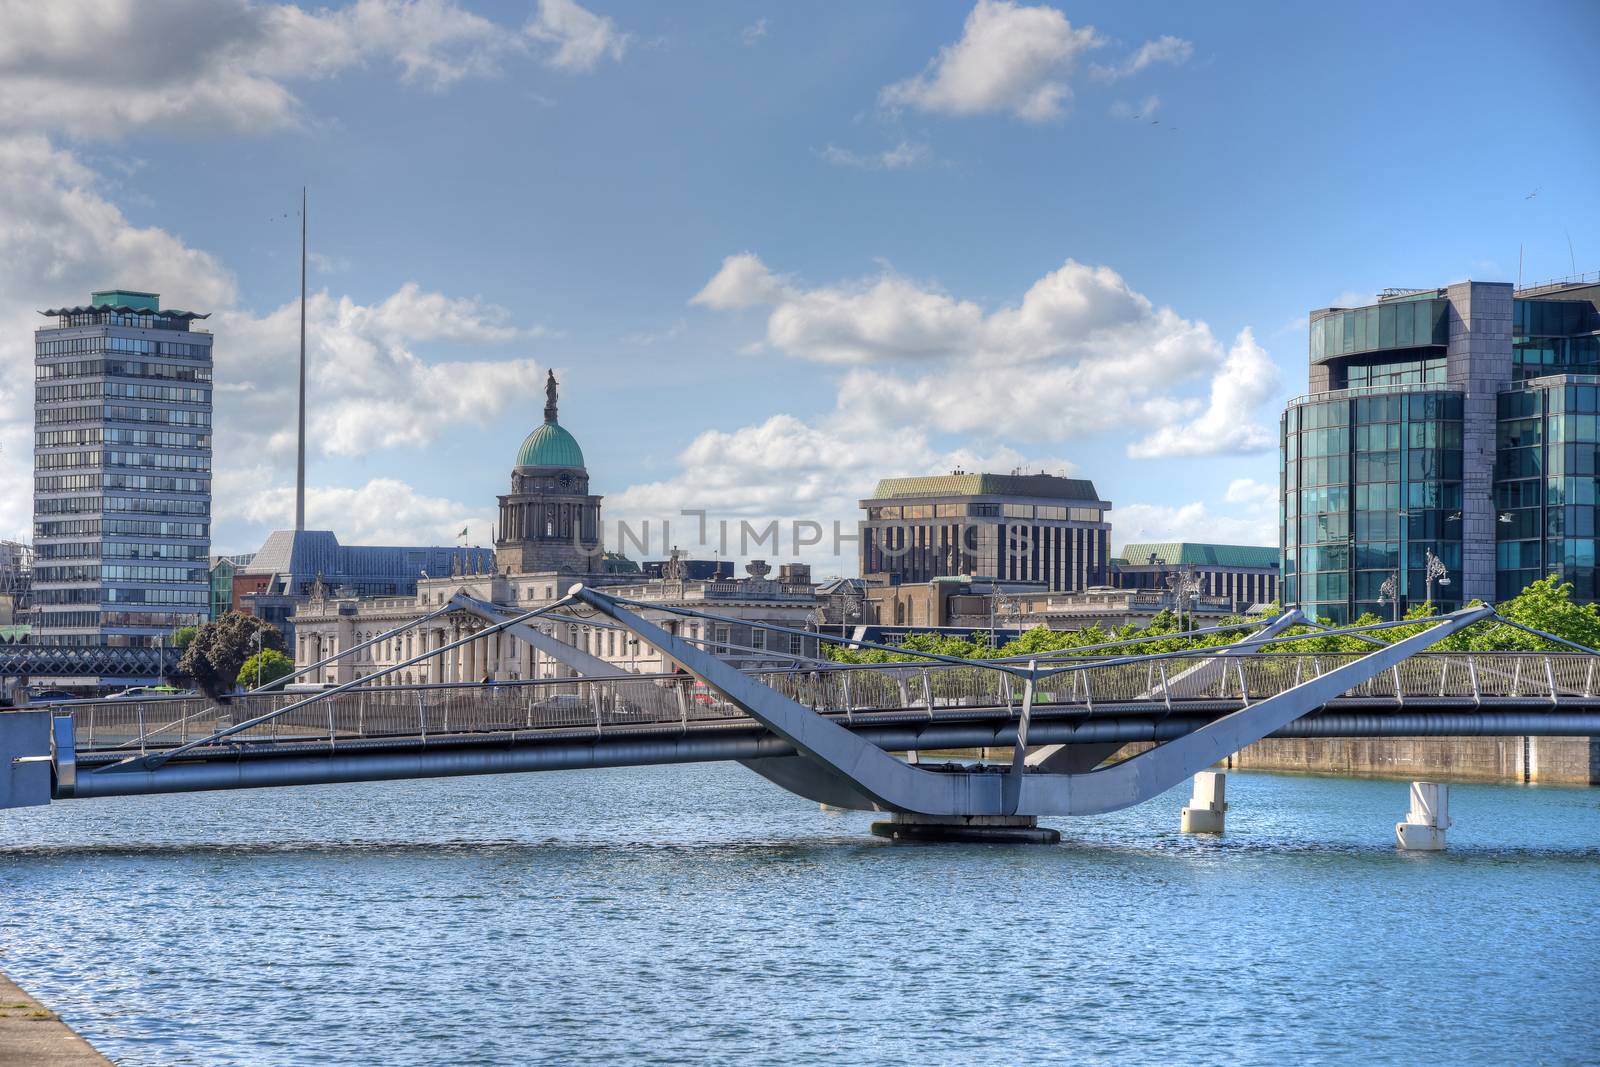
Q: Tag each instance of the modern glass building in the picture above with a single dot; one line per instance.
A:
(122, 472)
(1454, 424)
(1010, 527)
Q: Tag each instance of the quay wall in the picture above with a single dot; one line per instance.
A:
(1551, 760)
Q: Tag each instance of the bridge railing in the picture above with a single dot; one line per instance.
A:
(655, 700)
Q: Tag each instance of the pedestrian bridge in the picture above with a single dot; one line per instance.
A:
(852, 736)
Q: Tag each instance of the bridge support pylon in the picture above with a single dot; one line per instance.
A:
(1208, 806)
(976, 829)
(1429, 817)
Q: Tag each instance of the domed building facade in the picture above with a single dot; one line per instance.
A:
(549, 521)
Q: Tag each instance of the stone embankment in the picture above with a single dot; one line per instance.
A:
(32, 1034)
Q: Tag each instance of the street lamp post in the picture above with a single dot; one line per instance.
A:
(1389, 592)
(1436, 571)
(996, 602)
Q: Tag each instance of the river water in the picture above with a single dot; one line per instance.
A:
(699, 914)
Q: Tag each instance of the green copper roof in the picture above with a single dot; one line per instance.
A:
(1173, 553)
(550, 446)
(1034, 485)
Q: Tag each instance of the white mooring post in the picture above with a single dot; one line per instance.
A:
(1208, 805)
(1428, 819)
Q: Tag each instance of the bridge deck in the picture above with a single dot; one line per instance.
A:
(867, 696)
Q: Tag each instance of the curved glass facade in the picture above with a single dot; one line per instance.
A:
(1411, 323)
(1369, 481)
(1547, 485)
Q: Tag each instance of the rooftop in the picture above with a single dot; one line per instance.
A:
(1175, 553)
(1040, 486)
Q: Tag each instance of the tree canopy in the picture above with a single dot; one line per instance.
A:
(1545, 605)
(219, 649)
(268, 665)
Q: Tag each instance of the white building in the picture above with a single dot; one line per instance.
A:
(549, 517)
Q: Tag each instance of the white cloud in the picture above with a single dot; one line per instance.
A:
(742, 281)
(1250, 491)
(370, 389)
(905, 154)
(1246, 381)
(1081, 352)
(384, 511)
(97, 68)
(1136, 523)
(753, 32)
(60, 238)
(1166, 49)
(789, 470)
(1009, 58)
(581, 38)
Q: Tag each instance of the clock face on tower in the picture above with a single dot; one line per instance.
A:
(565, 480)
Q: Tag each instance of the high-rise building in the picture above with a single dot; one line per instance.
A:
(1010, 527)
(1447, 448)
(122, 471)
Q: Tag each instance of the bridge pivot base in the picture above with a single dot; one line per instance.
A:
(981, 829)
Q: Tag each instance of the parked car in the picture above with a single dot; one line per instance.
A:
(141, 691)
(45, 696)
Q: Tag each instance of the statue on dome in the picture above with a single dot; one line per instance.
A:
(550, 384)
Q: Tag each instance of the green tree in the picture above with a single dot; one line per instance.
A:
(182, 636)
(268, 665)
(220, 648)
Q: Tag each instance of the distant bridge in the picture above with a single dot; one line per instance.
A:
(825, 731)
(149, 665)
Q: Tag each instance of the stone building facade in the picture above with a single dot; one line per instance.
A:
(549, 541)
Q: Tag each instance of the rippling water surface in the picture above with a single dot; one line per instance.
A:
(699, 914)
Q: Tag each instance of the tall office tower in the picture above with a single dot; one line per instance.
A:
(1455, 423)
(122, 472)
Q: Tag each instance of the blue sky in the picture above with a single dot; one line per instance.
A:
(775, 252)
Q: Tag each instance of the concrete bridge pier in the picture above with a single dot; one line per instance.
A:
(1429, 817)
(976, 829)
(1207, 810)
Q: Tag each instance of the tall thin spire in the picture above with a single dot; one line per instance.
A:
(300, 460)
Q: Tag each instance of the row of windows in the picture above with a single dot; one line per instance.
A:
(199, 597)
(49, 461)
(170, 416)
(120, 550)
(125, 527)
(155, 483)
(70, 504)
(59, 483)
(124, 368)
(1403, 372)
(1055, 512)
(1398, 407)
(68, 346)
(114, 595)
(158, 461)
(90, 413)
(176, 394)
(77, 483)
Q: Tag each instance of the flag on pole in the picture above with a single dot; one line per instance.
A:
(463, 533)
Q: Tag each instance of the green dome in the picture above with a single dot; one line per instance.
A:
(550, 446)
